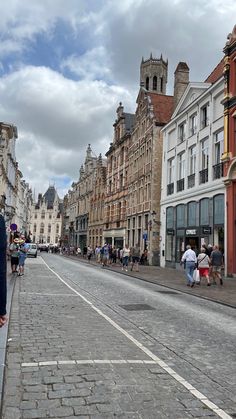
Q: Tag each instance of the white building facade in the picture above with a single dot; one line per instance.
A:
(46, 218)
(193, 192)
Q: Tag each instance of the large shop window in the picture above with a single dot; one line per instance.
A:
(219, 209)
(204, 212)
(192, 214)
(180, 216)
(170, 217)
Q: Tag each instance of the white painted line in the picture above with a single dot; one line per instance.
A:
(69, 362)
(88, 361)
(46, 363)
(101, 361)
(29, 364)
(147, 351)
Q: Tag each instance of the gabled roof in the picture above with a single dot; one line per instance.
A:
(217, 73)
(191, 93)
(163, 107)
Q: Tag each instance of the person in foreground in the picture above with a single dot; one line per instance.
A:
(3, 272)
(189, 259)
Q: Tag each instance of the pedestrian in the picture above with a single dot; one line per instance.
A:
(125, 257)
(189, 259)
(89, 253)
(135, 255)
(203, 262)
(14, 249)
(85, 249)
(3, 272)
(23, 249)
(216, 262)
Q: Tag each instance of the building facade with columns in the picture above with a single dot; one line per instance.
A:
(117, 180)
(154, 109)
(193, 192)
(229, 156)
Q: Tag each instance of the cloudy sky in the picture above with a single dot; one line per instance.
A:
(66, 64)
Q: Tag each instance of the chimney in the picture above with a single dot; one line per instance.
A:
(181, 81)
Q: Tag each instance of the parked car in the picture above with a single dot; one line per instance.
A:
(43, 247)
(32, 250)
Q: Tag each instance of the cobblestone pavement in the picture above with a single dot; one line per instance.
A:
(100, 345)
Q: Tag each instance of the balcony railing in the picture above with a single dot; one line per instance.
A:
(191, 180)
(180, 185)
(218, 171)
(170, 188)
(203, 176)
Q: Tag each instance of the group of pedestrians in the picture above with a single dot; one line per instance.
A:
(18, 252)
(207, 264)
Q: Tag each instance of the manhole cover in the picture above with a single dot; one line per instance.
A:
(168, 292)
(136, 307)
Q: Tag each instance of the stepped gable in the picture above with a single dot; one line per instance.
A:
(217, 73)
(163, 107)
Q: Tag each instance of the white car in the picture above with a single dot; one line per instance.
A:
(32, 249)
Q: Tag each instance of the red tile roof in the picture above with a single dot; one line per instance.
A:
(216, 73)
(163, 107)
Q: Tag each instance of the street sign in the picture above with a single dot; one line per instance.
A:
(13, 227)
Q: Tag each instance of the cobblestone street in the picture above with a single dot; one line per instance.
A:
(91, 343)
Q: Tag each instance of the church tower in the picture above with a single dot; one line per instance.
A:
(153, 74)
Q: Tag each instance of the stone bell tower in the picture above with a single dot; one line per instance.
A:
(153, 74)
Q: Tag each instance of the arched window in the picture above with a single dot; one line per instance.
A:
(192, 214)
(219, 211)
(49, 228)
(154, 83)
(180, 215)
(204, 212)
(43, 215)
(147, 83)
(57, 229)
(35, 228)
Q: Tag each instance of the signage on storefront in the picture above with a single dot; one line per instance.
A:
(191, 232)
(170, 232)
(206, 230)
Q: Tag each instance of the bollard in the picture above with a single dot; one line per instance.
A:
(3, 267)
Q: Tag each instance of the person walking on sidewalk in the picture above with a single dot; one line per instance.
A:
(203, 262)
(125, 257)
(3, 272)
(22, 256)
(189, 259)
(216, 262)
(135, 254)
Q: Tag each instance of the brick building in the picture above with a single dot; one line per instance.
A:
(117, 179)
(154, 109)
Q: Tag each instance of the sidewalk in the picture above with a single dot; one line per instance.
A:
(175, 279)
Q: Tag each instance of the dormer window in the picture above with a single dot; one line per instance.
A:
(154, 83)
(147, 83)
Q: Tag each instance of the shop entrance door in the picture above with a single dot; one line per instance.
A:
(194, 243)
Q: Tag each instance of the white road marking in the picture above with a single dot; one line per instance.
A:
(43, 294)
(86, 361)
(219, 412)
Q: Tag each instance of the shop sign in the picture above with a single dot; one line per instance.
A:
(170, 232)
(206, 230)
(191, 232)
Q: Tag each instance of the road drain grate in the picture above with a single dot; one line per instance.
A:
(136, 307)
(168, 292)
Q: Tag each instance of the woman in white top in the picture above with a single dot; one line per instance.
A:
(203, 262)
(125, 257)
